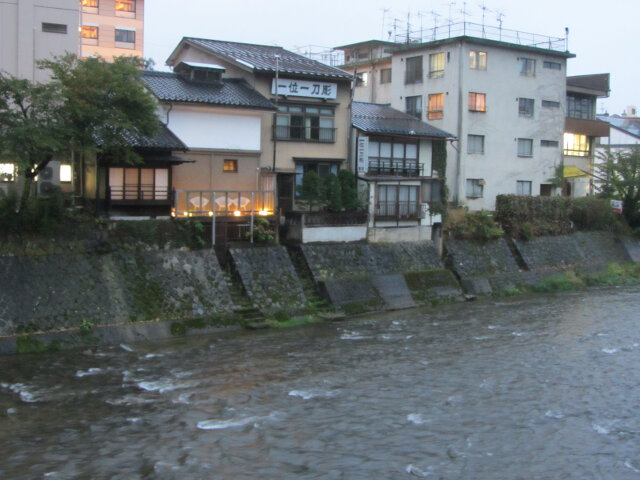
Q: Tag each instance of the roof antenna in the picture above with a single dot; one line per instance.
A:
(464, 17)
(499, 18)
(484, 9)
(435, 22)
(384, 14)
(566, 38)
(451, 4)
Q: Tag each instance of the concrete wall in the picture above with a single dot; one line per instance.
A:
(334, 234)
(22, 41)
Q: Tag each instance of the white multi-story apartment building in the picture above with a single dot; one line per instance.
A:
(505, 102)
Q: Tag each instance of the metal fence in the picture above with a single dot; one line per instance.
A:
(209, 203)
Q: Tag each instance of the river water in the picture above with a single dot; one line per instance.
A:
(525, 387)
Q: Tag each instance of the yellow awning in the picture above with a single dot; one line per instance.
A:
(571, 171)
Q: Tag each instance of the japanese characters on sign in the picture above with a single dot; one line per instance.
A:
(305, 88)
(363, 154)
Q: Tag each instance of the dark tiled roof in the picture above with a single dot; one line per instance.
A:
(164, 139)
(231, 92)
(630, 125)
(599, 82)
(377, 118)
(263, 58)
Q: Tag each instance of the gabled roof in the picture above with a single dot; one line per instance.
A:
(629, 125)
(382, 119)
(231, 92)
(262, 58)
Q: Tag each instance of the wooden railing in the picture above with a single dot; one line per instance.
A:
(209, 203)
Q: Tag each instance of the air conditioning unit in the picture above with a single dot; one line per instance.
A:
(49, 179)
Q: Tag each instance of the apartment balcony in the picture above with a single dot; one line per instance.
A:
(395, 169)
(304, 134)
(590, 128)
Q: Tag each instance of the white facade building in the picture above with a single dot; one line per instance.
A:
(504, 102)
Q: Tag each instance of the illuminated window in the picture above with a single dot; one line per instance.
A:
(414, 70)
(477, 102)
(475, 144)
(65, 173)
(230, 166)
(139, 184)
(436, 65)
(525, 107)
(523, 188)
(385, 75)
(414, 106)
(125, 36)
(436, 106)
(89, 32)
(89, 3)
(7, 172)
(477, 60)
(125, 5)
(576, 145)
(527, 67)
(525, 147)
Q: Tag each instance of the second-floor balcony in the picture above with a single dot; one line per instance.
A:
(304, 134)
(395, 168)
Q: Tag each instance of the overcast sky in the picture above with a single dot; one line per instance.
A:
(602, 33)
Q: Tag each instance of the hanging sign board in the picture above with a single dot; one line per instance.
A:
(362, 160)
(616, 206)
(304, 88)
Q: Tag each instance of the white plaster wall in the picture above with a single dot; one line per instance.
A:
(616, 137)
(407, 234)
(210, 128)
(501, 124)
(334, 234)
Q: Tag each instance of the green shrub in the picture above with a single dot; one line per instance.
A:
(592, 213)
(348, 190)
(263, 231)
(474, 226)
(333, 193)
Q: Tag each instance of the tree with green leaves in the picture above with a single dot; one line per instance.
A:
(333, 193)
(619, 172)
(348, 189)
(31, 130)
(105, 106)
(311, 191)
(88, 106)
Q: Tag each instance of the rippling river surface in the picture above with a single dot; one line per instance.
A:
(528, 387)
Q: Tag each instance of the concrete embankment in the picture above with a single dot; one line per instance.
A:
(79, 299)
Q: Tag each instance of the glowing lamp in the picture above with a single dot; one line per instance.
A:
(237, 213)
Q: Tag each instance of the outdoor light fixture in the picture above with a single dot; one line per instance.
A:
(237, 213)
(211, 214)
(264, 212)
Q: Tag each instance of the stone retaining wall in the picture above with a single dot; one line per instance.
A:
(269, 279)
(63, 291)
(373, 276)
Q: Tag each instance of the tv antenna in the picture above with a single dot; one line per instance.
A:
(435, 22)
(500, 16)
(464, 13)
(384, 14)
(451, 4)
(484, 9)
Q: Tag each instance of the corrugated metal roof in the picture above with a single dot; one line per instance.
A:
(263, 58)
(377, 118)
(231, 92)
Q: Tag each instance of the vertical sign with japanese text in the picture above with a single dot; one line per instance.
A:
(363, 155)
